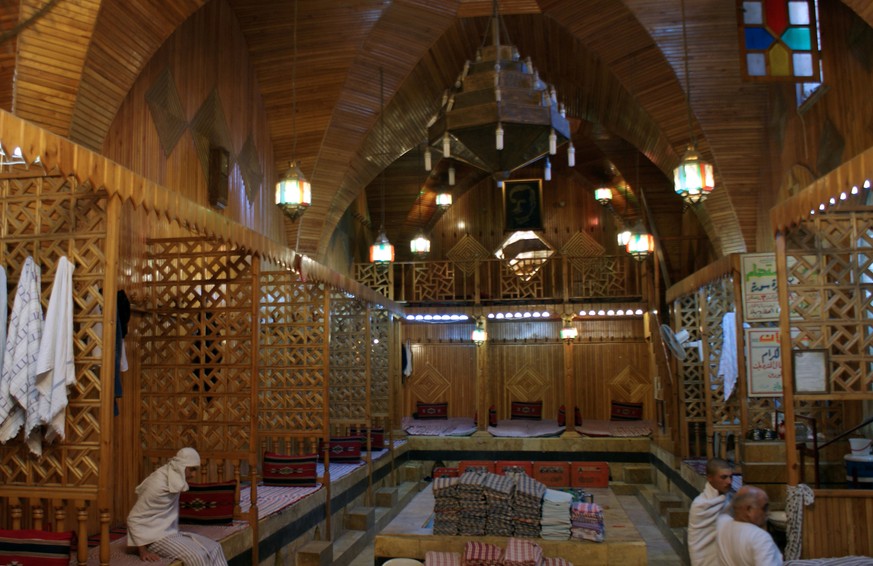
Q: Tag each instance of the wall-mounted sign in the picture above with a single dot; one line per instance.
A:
(764, 361)
(760, 292)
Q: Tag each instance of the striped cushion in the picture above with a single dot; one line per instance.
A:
(626, 411)
(284, 470)
(562, 416)
(35, 548)
(207, 503)
(526, 411)
(377, 437)
(343, 448)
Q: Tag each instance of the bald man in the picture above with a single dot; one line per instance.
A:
(742, 539)
(704, 511)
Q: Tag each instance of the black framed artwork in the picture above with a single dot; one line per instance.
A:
(522, 205)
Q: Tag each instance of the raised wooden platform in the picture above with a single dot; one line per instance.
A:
(408, 537)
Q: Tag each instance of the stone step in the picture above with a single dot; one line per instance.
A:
(676, 517)
(315, 553)
(664, 501)
(637, 474)
(360, 519)
(622, 488)
(411, 471)
(647, 496)
(386, 497)
(349, 546)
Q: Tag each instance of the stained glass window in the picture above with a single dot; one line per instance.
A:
(779, 40)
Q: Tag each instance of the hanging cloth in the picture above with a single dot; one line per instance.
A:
(4, 311)
(799, 496)
(56, 369)
(727, 365)
(18, 401)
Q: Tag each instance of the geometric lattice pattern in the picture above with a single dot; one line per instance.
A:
(582, 245)
(292, 358)
(380, 383)
(433, 281)
(723, 416)
(198, 348)
(514, 287)
(167, 112)
(690, 372)
(75, 217)
(598, 277)
(376, 276)
(467, 254)
(348, 358)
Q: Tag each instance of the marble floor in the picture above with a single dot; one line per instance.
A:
(658, 549)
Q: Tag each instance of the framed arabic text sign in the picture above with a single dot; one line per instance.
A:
(522, 205)
(760, 296)
(764, 362)
(810, 371)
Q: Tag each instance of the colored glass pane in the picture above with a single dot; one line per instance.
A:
(797, 39)
(780, 61)
(756, 64)
(798, 13)
(753, 13)
(777, 15)
(802, 65)
(758, 39)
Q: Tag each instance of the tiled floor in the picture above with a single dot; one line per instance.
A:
(659, 551)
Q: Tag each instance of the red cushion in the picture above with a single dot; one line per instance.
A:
(626, 411)
(283, 470)
(377, 437)
(35, 548)
(207, 503)
(526, 411)
(577, 416)
(492, 416)
(343, 448)
(562, 416)
(427, 411)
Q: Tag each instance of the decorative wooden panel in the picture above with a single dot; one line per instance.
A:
(441, 372)
(839, 523)
(292, 362)
(526, 372)
(198, 345)
(611, 370)
(47, 218)
(376, 276)
(380, 348)
(348, 358)
(692, 386)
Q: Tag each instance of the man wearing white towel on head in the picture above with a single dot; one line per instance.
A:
(704, 511)
(153, 523)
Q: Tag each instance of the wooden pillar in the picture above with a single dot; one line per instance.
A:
(791, 460)
(482, 389)
(569, 383)
(325, 409)
(254, 452)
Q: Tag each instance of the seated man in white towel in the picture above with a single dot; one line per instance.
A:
(705, 509)
(742, 539)
(153, 523)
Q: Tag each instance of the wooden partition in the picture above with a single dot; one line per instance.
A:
(48, 216)
(838, 523)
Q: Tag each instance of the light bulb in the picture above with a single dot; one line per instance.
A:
(428, 160)
(499, 136)
(571, 156)
(547, 172)
(447, 145)
(452, 175)
(553, 142)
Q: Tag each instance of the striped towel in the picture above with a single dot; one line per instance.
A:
(432, 558)
(482, 554)
(521, 552)
(556, 562)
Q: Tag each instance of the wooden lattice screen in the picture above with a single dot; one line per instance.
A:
(47, 217)
(293, 363)
(690, 376)
(199, 351)
(380, 340)
(349, 360)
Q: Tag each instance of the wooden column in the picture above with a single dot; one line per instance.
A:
(791, 460)
(569, 389)
(482, 397)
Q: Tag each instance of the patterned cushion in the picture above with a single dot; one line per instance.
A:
(562, 416)
(343, 448)
(207, 503)
(492, 416)
(35, 548)
(280, 469)
(626, 411)
(377, 437)
(526, 411)
(426, 411)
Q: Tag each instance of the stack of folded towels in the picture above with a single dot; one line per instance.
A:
(432, 558)
(446, 507)
(556, 515)
(527, 505)
(472, 507)
(520, 552)
(482, 554)
(587, 522)
(498, 492)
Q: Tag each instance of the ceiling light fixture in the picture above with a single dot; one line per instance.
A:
(693, 178)
(420, 245)
(293, 191)
(479, 335)
(603, 195)
(479, 123)
(382, 251)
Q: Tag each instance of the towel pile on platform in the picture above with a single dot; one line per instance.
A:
(498, 491)
(432, 558)
(446, 507)
(473, 509)
(587, 521)
(527, 505)
(520, 552)
(555, 562)
(482, 554)
(556, 515)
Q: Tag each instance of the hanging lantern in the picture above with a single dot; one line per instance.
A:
(693, 179)
(641, 243)
(381, 251)
(479, 336)
(623, 237)
(603, 195)
(420, 245)
(444, 200)
(293, 192)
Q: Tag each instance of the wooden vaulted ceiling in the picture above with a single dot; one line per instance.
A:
(618, 65)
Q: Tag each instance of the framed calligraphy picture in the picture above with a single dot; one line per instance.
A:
(760, 292)
(810, 370)
(522, 205)
(764, 362)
